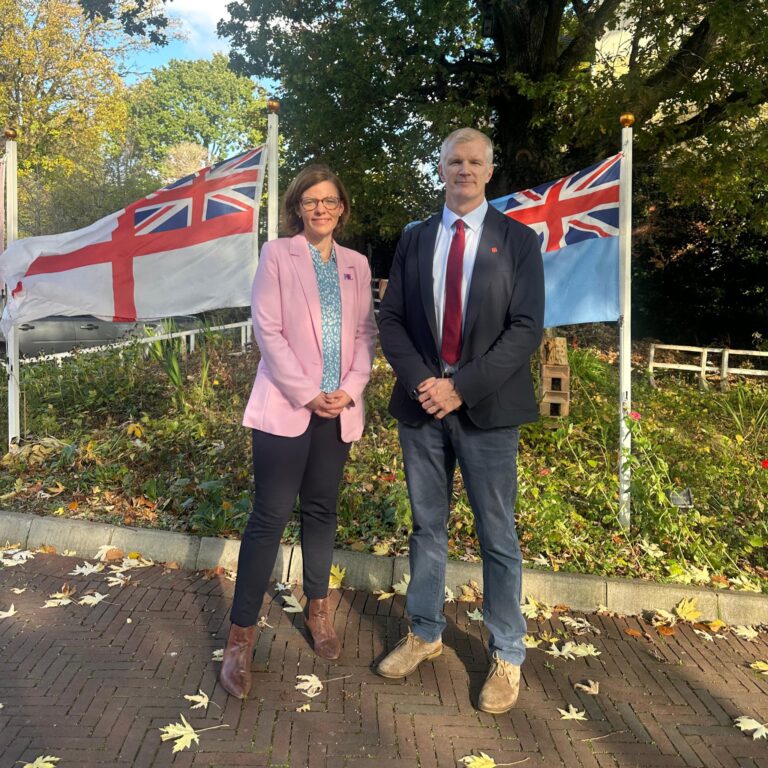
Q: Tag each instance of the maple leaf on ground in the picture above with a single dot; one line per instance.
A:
(117, 580)
(7, 614)
(381, 548)
(309, 685)
(282, 586)
(18, 590)
(304, 707)
(470, 592)
(48, 761)
(450, 597)
(585, 649)
(716, 625)
(745, 633)
(744, 584)
(752, 727)
(704, 635)
(661, 617)
(336, 578)
(529, 641)
(564, 652)
(86, 569)
(262, 622)
(218, 655)
(200, 698)
(93, 599)
(402, 586)
(686, 610)
(533, 609)
(383, 595)
(572, 713)
(591, 687)
(579, 626)
(476, 615)
(760, 666)
(184, 734)
(478, 761)
(291, 604)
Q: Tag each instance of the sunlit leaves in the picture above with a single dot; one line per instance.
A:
(572, 713)
(336, 578)
(47, 761)
(7, 614)
(291, 604)
(752, 727)
(534, 609)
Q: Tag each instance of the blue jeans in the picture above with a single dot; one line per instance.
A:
(488, 462)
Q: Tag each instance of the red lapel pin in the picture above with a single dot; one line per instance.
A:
(494, 250)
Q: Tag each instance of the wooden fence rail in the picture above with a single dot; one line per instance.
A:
(706, 365)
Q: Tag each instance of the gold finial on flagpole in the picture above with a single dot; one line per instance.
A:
(627, 120)
(273, 105)
(10, 134)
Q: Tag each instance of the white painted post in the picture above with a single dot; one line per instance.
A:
(12, 233)
(625, 319)
(273, 108)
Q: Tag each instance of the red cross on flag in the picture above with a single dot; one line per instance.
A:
(187, 248)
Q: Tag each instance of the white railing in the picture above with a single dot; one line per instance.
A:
(246, 335)
(704, 366)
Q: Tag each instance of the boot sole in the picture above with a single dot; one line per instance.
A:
(412, 669)
(496, 711)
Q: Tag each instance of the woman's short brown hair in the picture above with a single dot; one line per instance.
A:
(306, 178)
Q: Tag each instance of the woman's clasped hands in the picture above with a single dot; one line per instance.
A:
(329, 404)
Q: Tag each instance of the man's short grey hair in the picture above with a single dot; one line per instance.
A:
(466, 134)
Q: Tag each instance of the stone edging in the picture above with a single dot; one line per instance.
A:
(371, 572)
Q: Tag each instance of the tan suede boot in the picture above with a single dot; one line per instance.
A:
(235, 672)
(320, 627)
(501, 688)
(407, 655)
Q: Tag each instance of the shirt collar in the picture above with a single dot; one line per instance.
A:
(473, 220)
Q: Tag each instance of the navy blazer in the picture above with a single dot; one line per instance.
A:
(502, 327)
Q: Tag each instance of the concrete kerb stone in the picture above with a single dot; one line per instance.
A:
(630, 596)
(364, 571)
(163, 546)
(579, 591)
(78, 536)
(14, 528)
(214, 552)
(742, 608)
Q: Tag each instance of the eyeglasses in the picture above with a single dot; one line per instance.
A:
(310, 203)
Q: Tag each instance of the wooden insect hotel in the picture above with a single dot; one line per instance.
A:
(554, 377)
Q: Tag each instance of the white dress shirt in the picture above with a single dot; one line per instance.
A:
(473, 229)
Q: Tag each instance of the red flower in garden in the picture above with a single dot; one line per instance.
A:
(634, 415)
(544, 472)
(764, 463)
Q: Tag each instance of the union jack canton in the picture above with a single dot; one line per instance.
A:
(579, 207)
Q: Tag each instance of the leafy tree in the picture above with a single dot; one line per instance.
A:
(202, 102)
(371, 87)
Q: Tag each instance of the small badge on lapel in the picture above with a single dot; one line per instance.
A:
(494, 249)
(347, 275)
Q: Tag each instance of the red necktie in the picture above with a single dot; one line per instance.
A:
(450, 349)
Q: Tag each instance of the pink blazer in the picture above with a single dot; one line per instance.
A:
(285, 303)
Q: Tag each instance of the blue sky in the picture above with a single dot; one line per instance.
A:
(197, 20)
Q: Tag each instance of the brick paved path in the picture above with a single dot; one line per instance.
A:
(86, 685)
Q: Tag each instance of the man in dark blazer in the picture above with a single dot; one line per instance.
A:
(462, 314)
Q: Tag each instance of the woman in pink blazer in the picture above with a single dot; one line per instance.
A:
(313, 321)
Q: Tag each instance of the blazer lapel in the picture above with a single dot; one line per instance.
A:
(426, 256)
(305, 269)
(348, 288)
(486, 261)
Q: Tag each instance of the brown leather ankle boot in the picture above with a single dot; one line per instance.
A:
(319, 624)
(235, 673)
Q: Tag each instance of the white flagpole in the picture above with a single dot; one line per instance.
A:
(625, 319)
(273, 108)
(12, 233)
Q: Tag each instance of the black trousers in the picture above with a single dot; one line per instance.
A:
(309, 466)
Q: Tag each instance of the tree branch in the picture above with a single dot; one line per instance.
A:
(688, 59)
(592, 27)
(719, 111)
